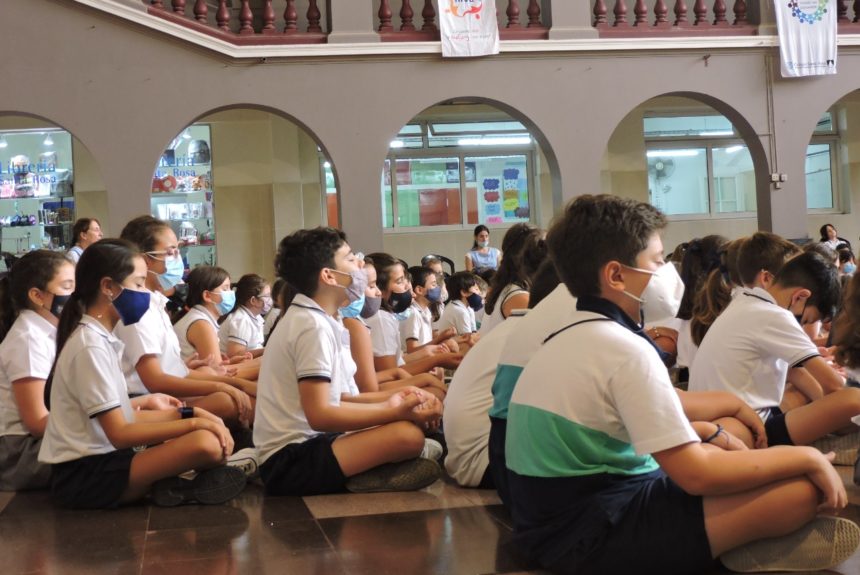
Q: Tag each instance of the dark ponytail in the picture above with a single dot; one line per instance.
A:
(111, 258)
(524, 249)
(35, 269)
(201, 279)
(248, 286)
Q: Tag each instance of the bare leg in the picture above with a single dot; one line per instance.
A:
(363, 450)
(196, 450)
(738, 429)
(833, 412)
(792, 399)
(220, 404)
(425, 381)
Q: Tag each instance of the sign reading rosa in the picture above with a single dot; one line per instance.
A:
(463, 8)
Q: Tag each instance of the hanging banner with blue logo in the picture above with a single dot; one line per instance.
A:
(468, 28)
(807, 37)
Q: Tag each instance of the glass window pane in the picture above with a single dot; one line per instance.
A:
(428, 192)
(387, 209)
(819, 180)
(678, 180)
(825, 124)
(476, 128)
(734, 180)
(497, 189)
(682, 126)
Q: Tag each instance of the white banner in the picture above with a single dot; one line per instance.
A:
(468, 27)
(807, 37)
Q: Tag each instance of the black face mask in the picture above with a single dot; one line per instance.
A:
(400, 302)
(58, 304)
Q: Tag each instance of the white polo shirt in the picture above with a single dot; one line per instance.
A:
(88, 381)
(152, 335)
(492, 320)
(385, 335)
(308, 344)
(27, 351)
(269, 321)
(459, 316)
(749, 349)
(418, 326)
(242, 327)
(195, 314)
(469, 398)
(550, 315)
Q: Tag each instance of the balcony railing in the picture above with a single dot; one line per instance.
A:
(672, 18)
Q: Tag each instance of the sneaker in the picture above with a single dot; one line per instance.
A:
(209, 487)
(401, 476)
(844, 446)
(820, 544)
(246, 460)
(432, 450)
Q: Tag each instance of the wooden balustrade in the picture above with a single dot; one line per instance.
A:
(245, 23)
(684, 18)
(516, 24)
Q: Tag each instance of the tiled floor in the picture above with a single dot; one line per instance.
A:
(441, 529)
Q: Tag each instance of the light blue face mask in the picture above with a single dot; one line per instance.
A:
(849, 268)
(172, 275)
(227, 303)
(353, 309)
(404, 315)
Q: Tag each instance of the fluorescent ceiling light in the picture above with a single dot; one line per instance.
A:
(490, 141)
(49, 141)
(326, 165)
(396, 144)
(718, 133)
(733, 149)
(671, 153)
(186, 134)
(3, 142)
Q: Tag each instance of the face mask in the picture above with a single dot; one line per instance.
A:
(640, 299)
(371, 307)
(403, 315)
(849, 268)
(434, 295)
(227, 303)
(476, 302)
(357, 285)
(355, 308)
(172, 276)
(400, 302)
(663, 294)
(58, 304)
(131, 305)
(485, 244)
(267, 304)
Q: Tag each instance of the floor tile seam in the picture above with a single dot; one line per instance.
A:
(443, 508)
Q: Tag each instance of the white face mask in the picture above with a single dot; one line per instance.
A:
(663, 294)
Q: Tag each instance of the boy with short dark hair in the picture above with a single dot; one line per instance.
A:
(301, 422)
(606, 473)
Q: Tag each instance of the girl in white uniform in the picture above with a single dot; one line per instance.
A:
(152, 359)
(209, 297)
(93, 427)
(31, 299)
(242, 328)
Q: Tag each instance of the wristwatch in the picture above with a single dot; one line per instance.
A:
(186, 412)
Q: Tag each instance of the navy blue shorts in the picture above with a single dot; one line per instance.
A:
(93, 482)
(307, 468)
(498, 467)
(662, 530)
(774, 426)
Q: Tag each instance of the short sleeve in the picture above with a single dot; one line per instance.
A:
(315, 353)
(238, 330)
(29, 357)
(94, 379)
(384, 336)
(782, 337)
(411, 328)
(141, 338)
(463, 322)
(648, 406)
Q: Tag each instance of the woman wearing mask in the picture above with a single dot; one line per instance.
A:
(385, 325)
(90, 437)
(482, 257)
(31, 300)
(242, 328)
(152, 360)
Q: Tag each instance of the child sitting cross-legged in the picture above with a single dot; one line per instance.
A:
(606, 474)
(301, 424)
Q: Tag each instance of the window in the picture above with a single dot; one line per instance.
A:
(465, 173)
(698, 166)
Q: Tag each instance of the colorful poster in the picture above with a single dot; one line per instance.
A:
(807, 37)
(469, 28)
(503, 193)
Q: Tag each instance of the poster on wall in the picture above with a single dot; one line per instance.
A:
(807, 37)
(468, 28)
(503, 194)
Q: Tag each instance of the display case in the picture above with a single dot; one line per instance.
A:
(37, 206)
(183, 195)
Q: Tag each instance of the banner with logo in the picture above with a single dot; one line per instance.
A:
(469, 28)
(807, 37)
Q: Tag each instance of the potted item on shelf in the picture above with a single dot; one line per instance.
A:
(208, 238)
(187, 234)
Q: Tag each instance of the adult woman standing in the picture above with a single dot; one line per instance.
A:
(482, 257)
